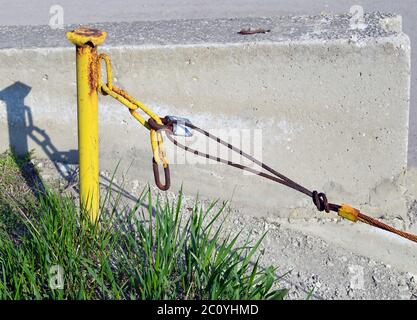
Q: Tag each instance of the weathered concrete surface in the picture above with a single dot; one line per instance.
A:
(20, 12)
(332, 102)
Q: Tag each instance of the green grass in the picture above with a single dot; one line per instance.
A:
(152, 251)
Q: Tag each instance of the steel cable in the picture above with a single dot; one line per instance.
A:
(319, 198)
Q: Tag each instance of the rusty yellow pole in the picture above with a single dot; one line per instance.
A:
(86, 42)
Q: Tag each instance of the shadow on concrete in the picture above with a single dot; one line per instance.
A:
(21, 129)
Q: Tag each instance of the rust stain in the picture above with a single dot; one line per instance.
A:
(86, 36)
(93, 71)
(121, 92)
(246, 31)
(92, 65)
(88, 32)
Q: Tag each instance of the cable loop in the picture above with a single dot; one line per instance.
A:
(320, 201)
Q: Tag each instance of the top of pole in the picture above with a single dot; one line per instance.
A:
(83, 36)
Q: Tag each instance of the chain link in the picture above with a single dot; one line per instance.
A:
(157, 142)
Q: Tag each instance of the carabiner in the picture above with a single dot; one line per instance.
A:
(156, 176)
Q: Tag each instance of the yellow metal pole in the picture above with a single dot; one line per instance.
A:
(86, 41)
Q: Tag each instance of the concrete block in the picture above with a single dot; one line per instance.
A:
(326, 104)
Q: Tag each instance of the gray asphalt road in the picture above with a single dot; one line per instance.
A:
(20, 12)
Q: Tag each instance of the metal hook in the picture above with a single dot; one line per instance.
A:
(156, 176)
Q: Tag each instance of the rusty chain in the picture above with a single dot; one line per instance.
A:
(133, 105)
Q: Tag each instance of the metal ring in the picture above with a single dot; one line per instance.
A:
(155, 126)
(158, 183)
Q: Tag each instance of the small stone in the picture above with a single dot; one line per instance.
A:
(411, 277)
(376, 279)
(135, 184)
(296, 243)
(401, 282)
(104, 174)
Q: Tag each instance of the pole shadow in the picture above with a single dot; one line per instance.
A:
(21, 129)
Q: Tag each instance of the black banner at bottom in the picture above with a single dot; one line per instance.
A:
(199, 309)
